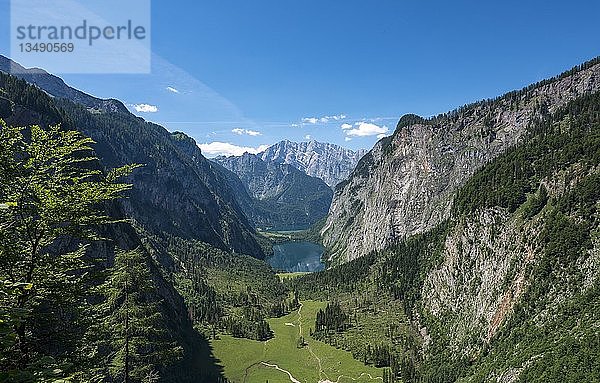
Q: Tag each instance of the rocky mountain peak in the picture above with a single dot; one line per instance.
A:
(329, 162)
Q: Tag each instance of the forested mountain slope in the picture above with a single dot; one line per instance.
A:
(189, 237)
(60, 324)
(506, 286)
(406, 184)
(176, 191)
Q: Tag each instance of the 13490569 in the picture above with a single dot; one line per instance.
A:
(47, 47)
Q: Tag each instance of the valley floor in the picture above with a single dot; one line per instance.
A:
(280, 359)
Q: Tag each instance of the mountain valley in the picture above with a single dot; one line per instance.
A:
(465, 247)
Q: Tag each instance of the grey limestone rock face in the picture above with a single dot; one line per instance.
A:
(329, 162)
(406, 183)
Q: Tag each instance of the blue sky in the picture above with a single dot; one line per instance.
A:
(244, 74)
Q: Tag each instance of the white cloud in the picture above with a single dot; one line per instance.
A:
(171, 89)
(248, 132)
(310, 120)
(216, 148)
(346, 126)
(365, 129)
(347, 139)
(307, 137)
(324, 119)
(145, 108)
(382, 135)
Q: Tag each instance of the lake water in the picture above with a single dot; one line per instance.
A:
(297, 256)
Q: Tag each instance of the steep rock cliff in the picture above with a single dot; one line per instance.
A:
(405, 184)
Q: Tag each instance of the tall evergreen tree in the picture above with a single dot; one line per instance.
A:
(132, 331)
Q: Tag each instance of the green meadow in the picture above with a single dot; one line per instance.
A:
(284, 359)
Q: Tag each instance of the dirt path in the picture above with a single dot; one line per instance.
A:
(289, 374)
(351, 378)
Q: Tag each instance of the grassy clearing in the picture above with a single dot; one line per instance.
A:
(243, 360)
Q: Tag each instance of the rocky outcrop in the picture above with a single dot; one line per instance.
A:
(492, 262)
(329, 162)
(482, 276)
(405, 185)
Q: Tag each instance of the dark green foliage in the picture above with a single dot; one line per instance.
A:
(379, 355)
(229, 292)
(405, 265)
(5, 107)
(200, 298)
(566, 138)
(344, 278)
(132, 343)
(333, 318)
(387, 376)
(50, 192)
(21, 93)
(410, 119)
(279, 309)
(582, 199)
(536, 203)
(251, 325)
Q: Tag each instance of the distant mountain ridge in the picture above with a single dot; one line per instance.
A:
(276, 195)
(56, 87)
(289, 185)
(329, 162)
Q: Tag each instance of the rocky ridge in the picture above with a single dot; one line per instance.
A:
(329, 162)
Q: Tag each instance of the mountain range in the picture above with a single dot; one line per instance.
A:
(281, 196)
(463, 248)
(329, 162)
(289, 184)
